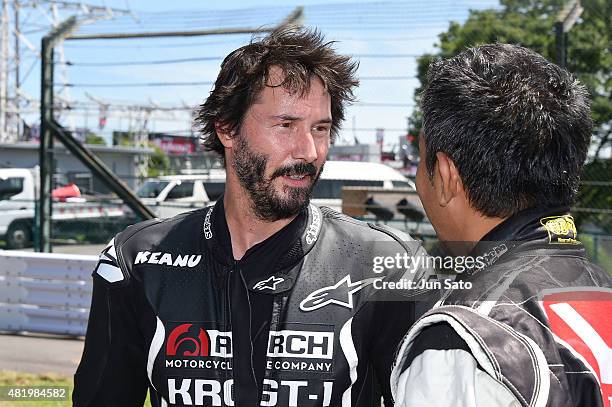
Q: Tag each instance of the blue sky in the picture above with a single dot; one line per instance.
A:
(385, 37)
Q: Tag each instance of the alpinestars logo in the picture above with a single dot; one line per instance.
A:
(340, 293)
(207, 227)
(269, 284)
(313, 229)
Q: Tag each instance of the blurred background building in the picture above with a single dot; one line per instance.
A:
(127, 83)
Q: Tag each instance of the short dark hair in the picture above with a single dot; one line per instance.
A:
(516, 126)
(300, 53)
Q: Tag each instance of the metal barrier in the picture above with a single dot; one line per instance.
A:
(51, 293)
(45, 292)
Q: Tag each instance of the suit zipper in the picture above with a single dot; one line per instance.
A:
(250, 334)
(228, 316)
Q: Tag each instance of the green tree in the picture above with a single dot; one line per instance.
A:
(93, 138)
(159, 163)
(589, 56)
(531, 23)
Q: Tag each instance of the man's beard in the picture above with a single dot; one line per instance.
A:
(268, 205)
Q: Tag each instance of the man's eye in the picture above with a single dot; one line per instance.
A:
(322, 129)
(285, 125)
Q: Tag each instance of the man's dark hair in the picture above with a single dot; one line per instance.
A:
(516, 126)
(300, 53)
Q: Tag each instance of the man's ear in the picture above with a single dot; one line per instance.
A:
(225, 134)
(450, 185)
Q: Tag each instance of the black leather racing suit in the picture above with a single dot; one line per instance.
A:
(161, 317)
(534, 328)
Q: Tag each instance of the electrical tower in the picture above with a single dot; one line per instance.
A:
(24, 22)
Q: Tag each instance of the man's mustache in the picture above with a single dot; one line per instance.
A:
(296, 169)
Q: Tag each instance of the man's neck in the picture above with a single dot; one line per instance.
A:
(479, 226)
(246, 230)
(469, 229)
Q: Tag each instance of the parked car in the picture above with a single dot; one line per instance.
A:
(18, 195)
(171, 195)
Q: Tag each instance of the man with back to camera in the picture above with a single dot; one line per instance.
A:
(261, 299)
(505, 135)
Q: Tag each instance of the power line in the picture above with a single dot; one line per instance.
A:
(91, 106)
(383, 104)
(215, 58)
(135, 85)
(382, 24)
(387, 78)
(238, 41)
(372, 129)
(155, 84)
(386, 55)
(160, 45)
(124, 108)
(401, 21)
(374, 7)
(379, 16)
(155, 62)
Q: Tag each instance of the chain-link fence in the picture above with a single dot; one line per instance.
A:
(593, 209)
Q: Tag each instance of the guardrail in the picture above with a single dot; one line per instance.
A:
(51, 293)
(45, 292)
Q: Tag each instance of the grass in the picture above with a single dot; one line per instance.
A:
(8, 378)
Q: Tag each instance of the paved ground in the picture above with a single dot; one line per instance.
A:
(44, 353)
(40, 354)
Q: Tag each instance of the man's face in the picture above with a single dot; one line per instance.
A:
(282, 145)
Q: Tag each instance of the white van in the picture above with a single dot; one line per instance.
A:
(171, 195)
(338, 174)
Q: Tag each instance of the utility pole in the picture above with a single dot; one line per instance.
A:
(14, 31)
(4, 70)
(43, 215)
(51, 128)
(16, 101)
(563, 24)
(64, 92)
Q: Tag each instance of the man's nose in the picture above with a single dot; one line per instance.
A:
(305, 147)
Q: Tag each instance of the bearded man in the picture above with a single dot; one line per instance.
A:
(263, 298)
